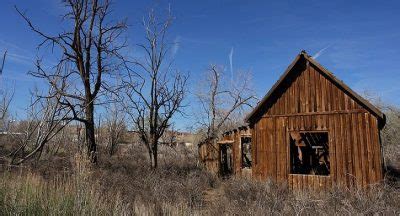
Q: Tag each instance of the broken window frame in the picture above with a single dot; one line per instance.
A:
(323, 159)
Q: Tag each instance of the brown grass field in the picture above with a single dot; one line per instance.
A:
(65, 184)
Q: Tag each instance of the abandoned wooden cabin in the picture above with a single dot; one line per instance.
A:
(311, 130)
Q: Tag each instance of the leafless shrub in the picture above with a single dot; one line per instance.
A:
(390, 135)
(153, 90)
(114, 127)
(222, 101)
(47, 117)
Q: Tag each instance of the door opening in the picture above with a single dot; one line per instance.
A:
(246, 152)
(226, 159)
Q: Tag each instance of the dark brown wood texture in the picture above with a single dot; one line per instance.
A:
(209, 156)
(209, 152)
(308, 100)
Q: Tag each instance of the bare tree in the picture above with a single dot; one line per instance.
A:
(46, 118)
(115, 127)
(89, 54)
(222, 100)
(154, 92)
(390, 134)
(5, 99)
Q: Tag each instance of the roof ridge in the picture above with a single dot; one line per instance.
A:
(330, 75)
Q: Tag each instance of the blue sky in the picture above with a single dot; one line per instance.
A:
(359, 41)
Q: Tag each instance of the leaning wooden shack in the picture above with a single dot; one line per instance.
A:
(312, 131)
(229, 155)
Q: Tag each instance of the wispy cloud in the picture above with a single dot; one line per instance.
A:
(320, 52)
(19, 58)
(196, 41)
(175, 46)
(231, 61)
(16, 53)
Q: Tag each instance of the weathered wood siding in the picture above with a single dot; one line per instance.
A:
(310, 101)
(300, 182)
(237, 153)
(209, 156)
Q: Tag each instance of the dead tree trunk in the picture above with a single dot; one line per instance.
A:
(155, 157)
(89, 49)
(90, 134)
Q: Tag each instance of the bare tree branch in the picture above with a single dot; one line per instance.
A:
(220, 100)
(88, 53)
(154, 92)
(46, 119)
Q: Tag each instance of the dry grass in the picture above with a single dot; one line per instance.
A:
(80, 193)
(245, 197)
(125, 185)
(62, 183)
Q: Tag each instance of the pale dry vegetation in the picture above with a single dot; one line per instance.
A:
(125, 185)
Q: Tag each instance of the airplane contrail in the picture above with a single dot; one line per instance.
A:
(231, 61)
(319, 53)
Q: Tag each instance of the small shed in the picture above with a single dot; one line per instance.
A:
(230, 155)
(311, 130)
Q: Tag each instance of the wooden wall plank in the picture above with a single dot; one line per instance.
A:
(342, 138)
(332, 146)
(262, 152)
(273, 146)
(312, 90)
(349, 150)
(306, 89)
(361, 135)
(367, 132)
(356, 146)
(279, 144)
(338, 149)
(376, 149)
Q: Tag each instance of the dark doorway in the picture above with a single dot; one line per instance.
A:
(246, 152)
(309, 153)
(226, 159)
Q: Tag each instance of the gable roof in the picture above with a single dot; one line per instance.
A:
(329, 75)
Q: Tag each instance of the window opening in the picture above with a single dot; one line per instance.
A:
(246, 152)
(309, 153)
